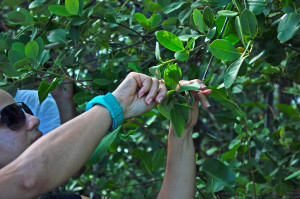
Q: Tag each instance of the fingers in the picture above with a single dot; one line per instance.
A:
(152, 88)
(203, 100)
(162, 92)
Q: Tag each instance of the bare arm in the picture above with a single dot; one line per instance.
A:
(55, 157)
(180, 176)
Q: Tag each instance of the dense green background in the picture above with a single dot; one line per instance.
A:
(248, 139)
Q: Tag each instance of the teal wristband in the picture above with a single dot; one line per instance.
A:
(112, 104)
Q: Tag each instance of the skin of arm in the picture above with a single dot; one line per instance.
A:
(55, 157)
(180, 176)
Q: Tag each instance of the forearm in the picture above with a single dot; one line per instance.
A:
(180, 176)
(56, 156)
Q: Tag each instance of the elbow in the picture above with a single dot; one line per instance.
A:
(28, 183)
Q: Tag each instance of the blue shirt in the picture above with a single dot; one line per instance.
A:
(47, 113)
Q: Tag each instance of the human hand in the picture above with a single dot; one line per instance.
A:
(63, 92)
(199, 95)
(139, 93)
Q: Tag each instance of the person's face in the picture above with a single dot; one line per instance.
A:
(13, 143)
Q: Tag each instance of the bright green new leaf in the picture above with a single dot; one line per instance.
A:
(57, 36)
(232, 71)
(172, 76)
(45, 88)
(59, 10)
(296, 174)
(223, 50)
(198, 20)
(227, 13)
(217, 170)
(169, 40)
(193, 86)
(182, 55)
(178, 121)
(102, 148)
(144, 158)
(72, 6)
(208, 16)
(32, 49)
(142, 19)
(249, 23)
(288, 26)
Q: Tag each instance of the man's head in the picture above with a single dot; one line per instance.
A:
(15, 136)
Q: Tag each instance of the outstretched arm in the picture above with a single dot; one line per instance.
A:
(55, 157)
(180, 176)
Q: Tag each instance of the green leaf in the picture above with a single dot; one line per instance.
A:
(145, 160)
(193, 86)
(45, 88)
(16, 17)
(249, 23)
(172, 76)
(296, 174)
(102, 148)
(28, 17)
(143, 21)
(227, 13)
(208, 16)
(12, 3)
(158, 159)
(74, 34)
(288, 110)
(72, 6)
(198, 20)
(256, 6)
(20, 47)
(157, 52)
(239, 30)
(216, 170)
(167, 105)
(36, 3)
(21, 64)
(57, 36)
(32, 49)
(292, 90)
(173, 6)
(232, 71)
(59, 10)
(110, 18)
(287, 26)
(155, 20)
(178, 121)
(169, 40)
(223, 50)
(14, 56)
(182, 55)
(102, 82)
(163, 3)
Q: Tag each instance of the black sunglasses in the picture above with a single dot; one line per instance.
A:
(13, 115)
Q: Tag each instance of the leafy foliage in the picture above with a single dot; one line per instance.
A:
(247, 144)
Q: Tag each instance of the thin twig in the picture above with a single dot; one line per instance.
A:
(45, 26)
(150, 133)
(291, 47)
(120, 187)
(220, 36)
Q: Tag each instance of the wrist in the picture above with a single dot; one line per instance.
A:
(112, 105)
(121, 103)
